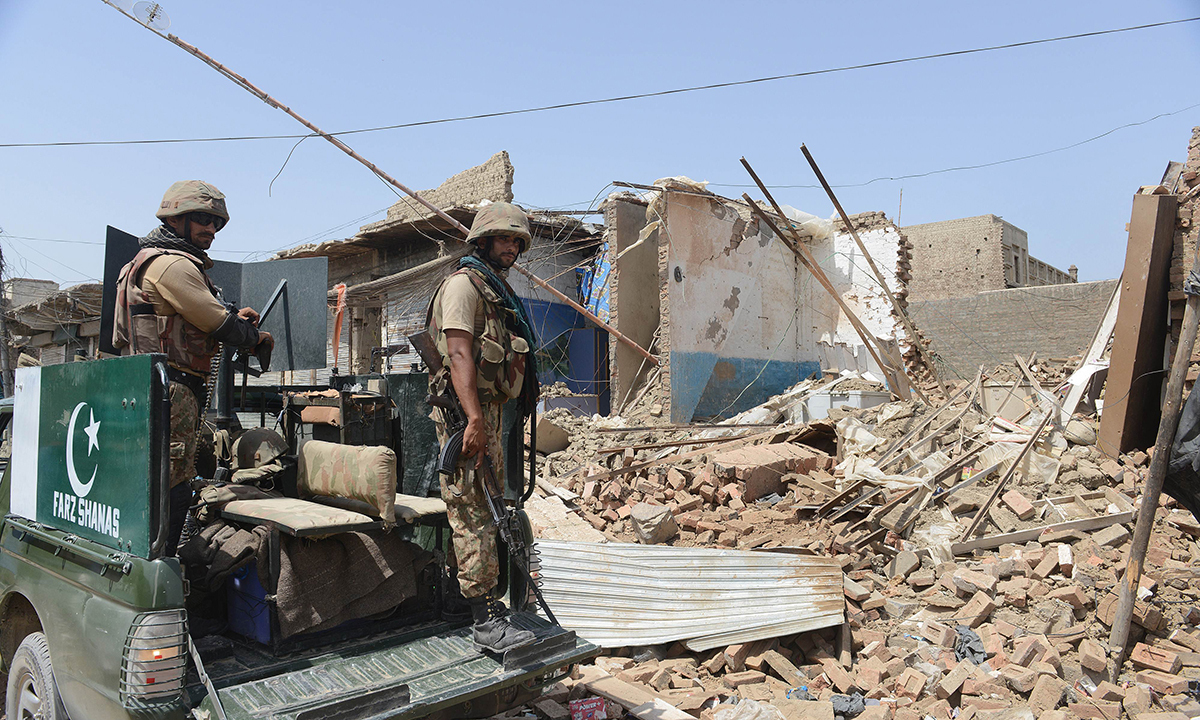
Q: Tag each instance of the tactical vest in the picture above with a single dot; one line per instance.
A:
(500, 355)
(137, 330)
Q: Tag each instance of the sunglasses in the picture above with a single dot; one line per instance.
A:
(203, 218)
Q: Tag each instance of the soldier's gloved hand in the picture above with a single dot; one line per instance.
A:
(248, 314)
(263, 349)
(475, 442)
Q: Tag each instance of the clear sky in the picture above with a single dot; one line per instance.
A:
(77, 70)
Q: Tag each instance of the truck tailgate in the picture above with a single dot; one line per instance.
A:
(406, 680)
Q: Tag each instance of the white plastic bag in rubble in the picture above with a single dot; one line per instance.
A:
(856, 438)
(855, 468)
(750, 710)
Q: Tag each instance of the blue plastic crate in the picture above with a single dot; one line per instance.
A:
(249, 613)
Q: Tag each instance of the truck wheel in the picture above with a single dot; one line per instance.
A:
(32, 692)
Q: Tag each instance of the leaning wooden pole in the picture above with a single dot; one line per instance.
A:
(806, 258)
(810, 263)
(900, 313)
(1167, 425)
(262, 95)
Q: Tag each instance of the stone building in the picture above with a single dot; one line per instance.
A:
(957, 258)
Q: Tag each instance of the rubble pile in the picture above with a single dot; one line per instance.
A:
(973, 589)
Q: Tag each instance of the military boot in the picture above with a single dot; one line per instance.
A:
(493, 629)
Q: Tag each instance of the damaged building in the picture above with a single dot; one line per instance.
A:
(957, 555)
(729, 309)
(389, 270)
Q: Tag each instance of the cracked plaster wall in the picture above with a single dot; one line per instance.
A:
(746, 320)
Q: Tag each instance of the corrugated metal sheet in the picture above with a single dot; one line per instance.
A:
(617, 594)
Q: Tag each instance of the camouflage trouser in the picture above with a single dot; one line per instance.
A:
(185, 418)
(466, 507)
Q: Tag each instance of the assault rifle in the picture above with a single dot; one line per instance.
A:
(456, 426)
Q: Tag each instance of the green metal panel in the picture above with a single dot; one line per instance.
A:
(419, 445)
(85, 608)
(93, 456)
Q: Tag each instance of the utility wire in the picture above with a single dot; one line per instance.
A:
(635, 96)
(980, 165)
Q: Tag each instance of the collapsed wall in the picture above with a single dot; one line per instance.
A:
(738, 319)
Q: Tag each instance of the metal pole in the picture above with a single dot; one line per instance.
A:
(912, 331)
(261, 95)
(1167, 425)
(6, 378)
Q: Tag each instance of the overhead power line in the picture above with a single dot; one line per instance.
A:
(978, 166)
(623, 98)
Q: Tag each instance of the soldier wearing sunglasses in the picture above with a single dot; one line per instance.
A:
(167, 304)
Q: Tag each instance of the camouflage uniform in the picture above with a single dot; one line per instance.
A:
(466, 508)
(185, 419)
(500, 362)
(500, 374)
(147, 321)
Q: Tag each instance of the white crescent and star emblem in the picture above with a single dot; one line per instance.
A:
(91, 430)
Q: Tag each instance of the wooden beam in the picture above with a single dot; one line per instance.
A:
(1094, 353)
(1135, 373)
(897, 309)
(979, 516)
(670, 443)
(991, 542)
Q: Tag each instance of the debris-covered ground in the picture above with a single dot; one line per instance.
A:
(971, 589)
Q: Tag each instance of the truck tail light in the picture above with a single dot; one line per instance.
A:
(155, 657)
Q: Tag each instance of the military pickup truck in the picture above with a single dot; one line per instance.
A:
(96, 623)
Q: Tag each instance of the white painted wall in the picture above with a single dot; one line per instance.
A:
(749, 296)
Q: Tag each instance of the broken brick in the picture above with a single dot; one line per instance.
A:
(970, 581)
(938, 634)
(1092, 655)
(1164, 683)
(953, 681)
(746, 677)
(1019, 504)
(1021, 679)
(1046, 695)
(1072, 595)
(1153, 658)
(977, 610)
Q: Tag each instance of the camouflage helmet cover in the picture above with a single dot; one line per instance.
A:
(257, 447)
(501, 218)
(192, 196)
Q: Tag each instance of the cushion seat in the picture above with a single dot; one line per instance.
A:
(406, 508)
(299, 518)
(410, 508)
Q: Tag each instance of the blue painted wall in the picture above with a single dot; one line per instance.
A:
(579, 350)
(704, 385)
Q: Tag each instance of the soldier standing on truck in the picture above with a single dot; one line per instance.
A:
(486, 342)
(167, 304)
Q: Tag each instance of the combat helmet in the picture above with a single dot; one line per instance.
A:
(257, 447)
(188, 196)
(501, 218)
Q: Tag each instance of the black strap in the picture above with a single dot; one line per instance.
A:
(141, 309)
(192, 382)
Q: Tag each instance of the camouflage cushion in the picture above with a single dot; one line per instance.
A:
(366, 473)
(296, 517)
(409, 508)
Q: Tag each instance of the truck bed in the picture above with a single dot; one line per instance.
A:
(405, 674)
